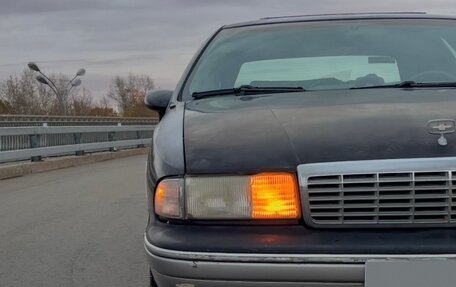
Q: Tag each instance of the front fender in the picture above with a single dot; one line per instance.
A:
(166, 157)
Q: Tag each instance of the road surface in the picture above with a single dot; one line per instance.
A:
(80, 226)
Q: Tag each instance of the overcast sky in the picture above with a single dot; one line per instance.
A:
(154, 37)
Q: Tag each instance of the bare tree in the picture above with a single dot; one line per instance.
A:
(25, 95)
(66, 93)
(119, 92)
(129, 92)
(82, 105)
(5, 107)
(104, 103)
(144, 84)
(21, 94)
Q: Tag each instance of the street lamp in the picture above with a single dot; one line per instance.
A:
(41, 79)
(62, 96)
(81, 72)
(33, 67)
(76, 83)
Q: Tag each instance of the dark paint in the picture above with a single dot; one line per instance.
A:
(336, 17)
(301, 240)
(158, 100)
(278, 132)
(281, 131)
(166, 157)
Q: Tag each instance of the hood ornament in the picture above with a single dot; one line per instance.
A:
(442, 127)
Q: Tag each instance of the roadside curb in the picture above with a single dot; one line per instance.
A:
(25, 168)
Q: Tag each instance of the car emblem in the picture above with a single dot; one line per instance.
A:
(442, 127)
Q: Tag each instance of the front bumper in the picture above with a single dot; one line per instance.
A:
(199, 269)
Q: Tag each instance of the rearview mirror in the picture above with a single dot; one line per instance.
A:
(158, 100)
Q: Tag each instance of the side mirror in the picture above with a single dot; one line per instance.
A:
(158, 101)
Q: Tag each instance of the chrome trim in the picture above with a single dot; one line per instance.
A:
(382, 165)
(445, 126)
(413, 166)
(286, 258)
(232, 273)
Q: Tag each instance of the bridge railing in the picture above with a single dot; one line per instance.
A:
(26, 120)
(36, 142)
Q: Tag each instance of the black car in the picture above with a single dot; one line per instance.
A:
(308, 151)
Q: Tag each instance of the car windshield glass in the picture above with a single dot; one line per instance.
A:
(328, 55)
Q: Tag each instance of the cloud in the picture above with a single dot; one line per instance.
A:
(156, 37)
(45, 6)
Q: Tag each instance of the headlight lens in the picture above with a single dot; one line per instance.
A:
(261, 196)
(218, 197)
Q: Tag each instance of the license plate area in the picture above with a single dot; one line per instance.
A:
(413, 273)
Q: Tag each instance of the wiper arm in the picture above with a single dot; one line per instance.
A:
(246, 90)
(435, 84)
(409, 84)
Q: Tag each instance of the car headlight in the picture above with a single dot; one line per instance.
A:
(261, 196)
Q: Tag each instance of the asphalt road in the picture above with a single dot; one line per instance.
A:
(80, 226)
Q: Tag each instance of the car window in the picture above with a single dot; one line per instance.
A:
(327, 55)
(343, 68)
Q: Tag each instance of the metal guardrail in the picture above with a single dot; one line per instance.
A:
(25, 120)
(22, 143)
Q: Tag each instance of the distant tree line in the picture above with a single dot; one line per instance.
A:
(24, 95)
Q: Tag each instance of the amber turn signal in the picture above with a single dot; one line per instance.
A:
(168, 198)
(274, 196)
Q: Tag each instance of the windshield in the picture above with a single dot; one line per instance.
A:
(328, 55)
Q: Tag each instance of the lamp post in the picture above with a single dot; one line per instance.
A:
(62, 96)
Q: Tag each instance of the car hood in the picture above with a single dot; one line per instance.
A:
(250, 134)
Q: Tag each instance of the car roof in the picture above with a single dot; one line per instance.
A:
(343, 16)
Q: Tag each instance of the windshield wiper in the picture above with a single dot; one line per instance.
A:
(247, 90)
(410, 84)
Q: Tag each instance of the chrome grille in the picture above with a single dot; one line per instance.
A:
(391, 196)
